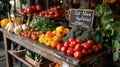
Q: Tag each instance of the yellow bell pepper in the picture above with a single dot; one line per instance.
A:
(4, 22)
(59, 34)
(53, 43)
(55, 38)
(47, 41)
(41, 38)
(66, 31)
(54, 32)
(60, 28)
(19, 20)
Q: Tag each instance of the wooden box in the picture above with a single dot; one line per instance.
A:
(36, 64)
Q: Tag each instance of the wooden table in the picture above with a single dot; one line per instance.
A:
(47, 52)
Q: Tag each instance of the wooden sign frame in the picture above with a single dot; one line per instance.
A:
(83, 17)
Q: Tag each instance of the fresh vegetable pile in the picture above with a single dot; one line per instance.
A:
(78, 48)
(38, 58)
(53, 38)
(53, 12)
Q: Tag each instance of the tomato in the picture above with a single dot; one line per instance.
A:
(90, 42)
(78, 54)
(51, 13)
(63, 49)
(33, 7)
(70, 52)
(73, 43)
(85, 45)
(84, 51)
(66, 44)
(59, 7)
(95, 48)
(29, 10)
(89, 50)
(58, 47)
(79, 41)
(38, 7)
(71, 39)
(77, 47)
(99, 46)
(56, 15)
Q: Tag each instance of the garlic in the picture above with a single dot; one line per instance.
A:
(18, 29)
(10, 27)
(25, 27)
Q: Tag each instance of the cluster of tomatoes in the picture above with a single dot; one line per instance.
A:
(53, 12)
(31, 10)
(78, 48)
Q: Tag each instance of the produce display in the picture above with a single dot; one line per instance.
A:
(53, 12)
(78, 48)
(52, 38)
(77, 42)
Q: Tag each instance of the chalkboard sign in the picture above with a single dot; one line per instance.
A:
(83, 17)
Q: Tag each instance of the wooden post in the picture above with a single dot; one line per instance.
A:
(9, 60)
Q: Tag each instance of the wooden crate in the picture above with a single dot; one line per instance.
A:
(20, 53)
(36, 64)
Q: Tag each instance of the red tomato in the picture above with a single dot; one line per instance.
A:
(56, 15)
(99, 46)
(95, 48)
(89, 50)
(51, 13)
(79, 41)
(59, 7)
(29, 10)
(84, 51)
(20, 11)
(70, 52)
(58, 47)
(63, 49)
(38, 7)
(66, 44)
(77, 47)
(71, 39)
(73, 43)
(78, 54)
(85, 45)
(33, 8)
(90, 42)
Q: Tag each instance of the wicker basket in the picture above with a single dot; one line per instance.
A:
(36, 64)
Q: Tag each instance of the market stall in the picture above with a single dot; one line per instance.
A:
(61, 37)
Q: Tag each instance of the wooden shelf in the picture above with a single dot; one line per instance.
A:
(20, 57)
(48, 52)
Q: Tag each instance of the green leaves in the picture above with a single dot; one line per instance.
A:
(115, 56)
(108, 29)
(43, 25)
(116, 45)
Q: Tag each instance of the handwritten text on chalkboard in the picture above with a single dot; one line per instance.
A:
(81, 17)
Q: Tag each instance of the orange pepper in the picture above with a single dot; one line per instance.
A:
(53, 43)
(49, 34)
